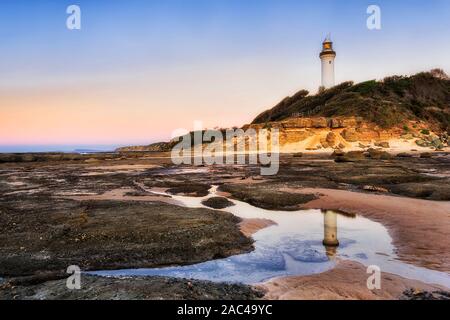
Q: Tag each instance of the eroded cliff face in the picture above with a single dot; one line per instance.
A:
(321, 133)
(326, 134)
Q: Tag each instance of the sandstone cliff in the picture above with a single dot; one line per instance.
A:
(399, 113)
(322, 133)
(424, 97)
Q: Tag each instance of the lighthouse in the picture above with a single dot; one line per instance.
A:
(327, 57)
(330, 239)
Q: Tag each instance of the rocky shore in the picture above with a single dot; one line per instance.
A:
(109, 213)
(132, 288)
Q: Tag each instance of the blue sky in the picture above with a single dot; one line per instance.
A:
(173, 62)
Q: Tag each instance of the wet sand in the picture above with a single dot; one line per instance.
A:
(419, 228)
(123, 194)
(251, 226)
(347, 281)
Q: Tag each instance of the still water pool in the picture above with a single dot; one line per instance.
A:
(300, 243)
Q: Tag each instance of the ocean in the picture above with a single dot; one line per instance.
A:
(57, 148)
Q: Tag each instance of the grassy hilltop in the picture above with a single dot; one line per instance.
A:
(393, 100)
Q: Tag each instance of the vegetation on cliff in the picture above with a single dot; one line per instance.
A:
(423, 97)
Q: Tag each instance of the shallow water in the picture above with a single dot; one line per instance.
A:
(294, 246)
(185, 170)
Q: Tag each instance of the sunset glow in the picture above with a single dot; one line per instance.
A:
(137, 71)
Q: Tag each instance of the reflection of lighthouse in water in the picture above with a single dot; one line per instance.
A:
(330, 240)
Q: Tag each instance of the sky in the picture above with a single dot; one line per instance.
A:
(140, 69)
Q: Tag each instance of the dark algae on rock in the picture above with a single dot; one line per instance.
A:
(41, 235)
(131, 288)
(217, 203)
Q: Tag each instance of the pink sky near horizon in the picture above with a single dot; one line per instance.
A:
(163, 66)
(126, 111)
(141, 109)
(139, 70)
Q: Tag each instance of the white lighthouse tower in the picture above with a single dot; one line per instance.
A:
(327, 57)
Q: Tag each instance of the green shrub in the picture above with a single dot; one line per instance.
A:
(365, 87)
(387, 103)
(397, 84)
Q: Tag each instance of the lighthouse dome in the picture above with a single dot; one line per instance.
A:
(327, 45)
